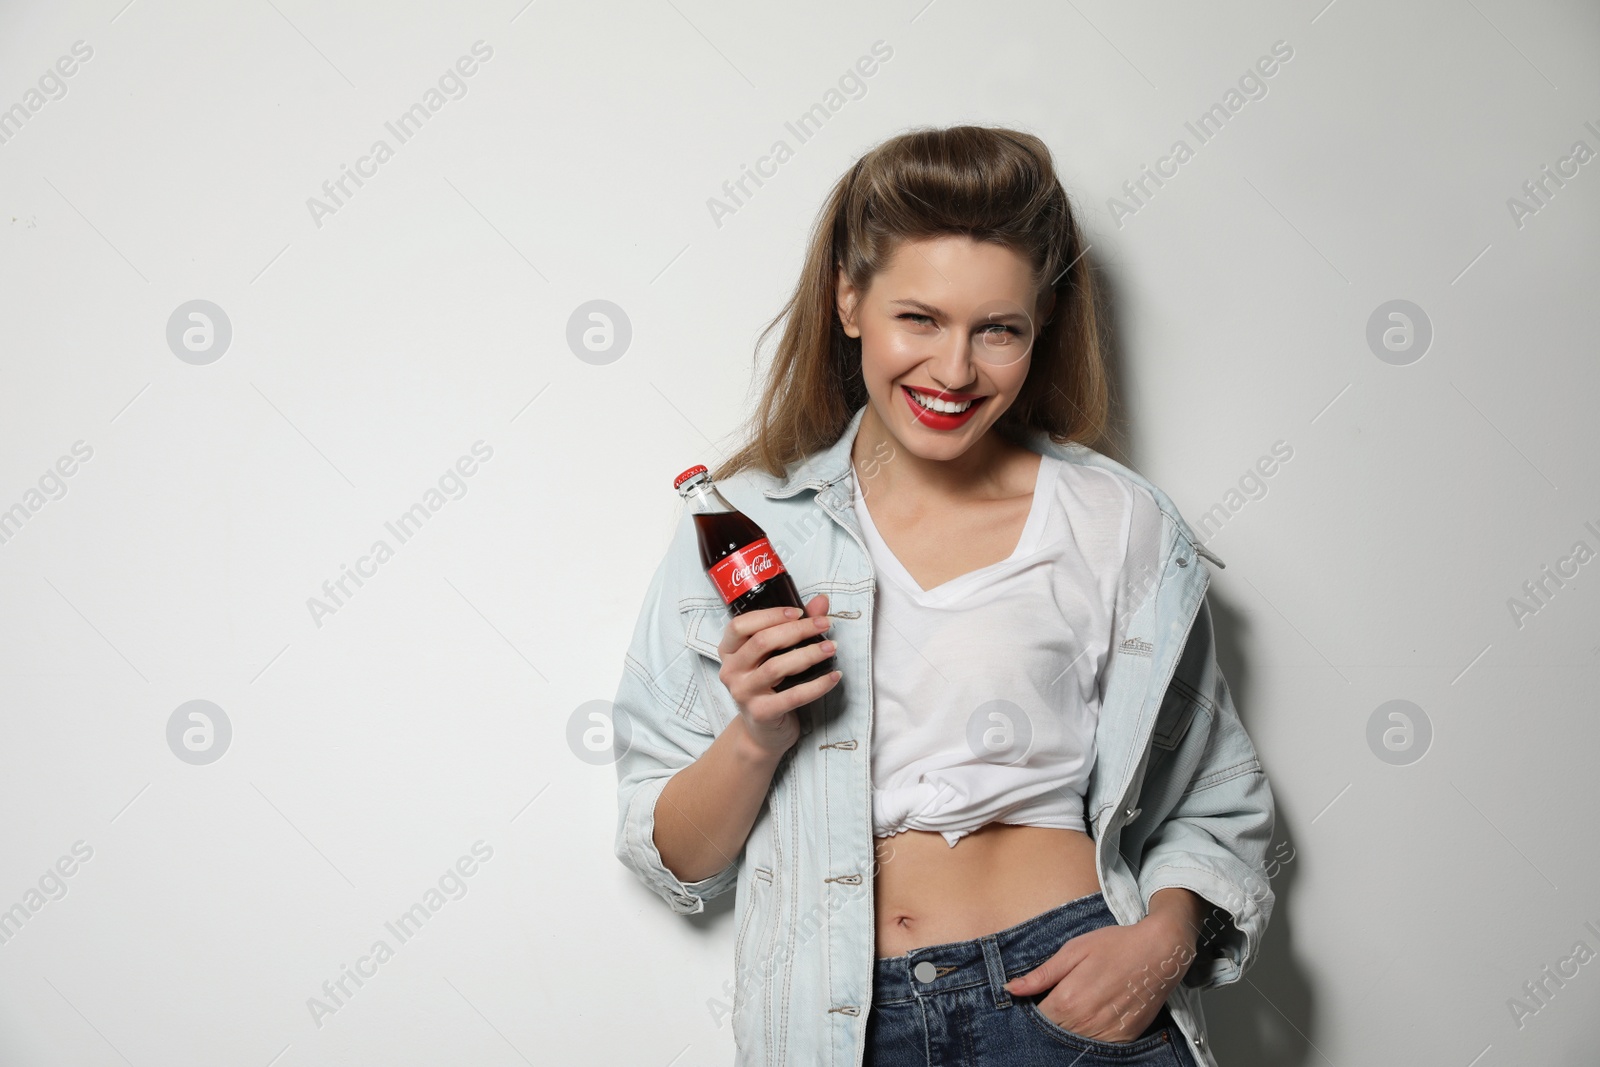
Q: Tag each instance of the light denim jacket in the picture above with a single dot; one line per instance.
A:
(1176, 797)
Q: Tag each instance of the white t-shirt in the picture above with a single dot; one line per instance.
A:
(987, 687)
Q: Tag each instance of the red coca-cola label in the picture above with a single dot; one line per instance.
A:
(743, 569)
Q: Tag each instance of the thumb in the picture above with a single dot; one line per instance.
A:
(818, 605)
(1044, 976)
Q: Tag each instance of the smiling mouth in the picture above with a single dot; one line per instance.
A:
(940, 407)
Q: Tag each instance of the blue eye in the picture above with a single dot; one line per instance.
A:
(988, 332)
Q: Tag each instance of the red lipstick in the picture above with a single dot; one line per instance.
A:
(939, 420)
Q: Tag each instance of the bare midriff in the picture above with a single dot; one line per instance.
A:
(927, 892)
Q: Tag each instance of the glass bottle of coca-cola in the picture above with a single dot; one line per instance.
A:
(742, 564)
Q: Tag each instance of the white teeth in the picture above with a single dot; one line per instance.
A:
(947, 407)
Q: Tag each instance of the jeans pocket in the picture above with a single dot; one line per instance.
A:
(1151, 1048)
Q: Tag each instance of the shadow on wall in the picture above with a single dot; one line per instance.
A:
(717, 907)
(1249, 1021)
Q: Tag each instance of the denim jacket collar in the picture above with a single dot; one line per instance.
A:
(830, 465)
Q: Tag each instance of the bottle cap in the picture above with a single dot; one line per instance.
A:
(686, 475)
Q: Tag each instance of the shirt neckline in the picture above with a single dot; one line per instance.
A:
(955, 588)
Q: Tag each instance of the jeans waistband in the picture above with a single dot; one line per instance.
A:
(992, 960)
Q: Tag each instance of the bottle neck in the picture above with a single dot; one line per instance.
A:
(703, 499)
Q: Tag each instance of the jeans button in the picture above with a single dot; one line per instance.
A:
(925, 971)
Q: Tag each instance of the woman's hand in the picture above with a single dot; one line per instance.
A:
(749, 669)
(1108, 984)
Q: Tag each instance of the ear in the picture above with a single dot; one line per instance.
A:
(848, 298)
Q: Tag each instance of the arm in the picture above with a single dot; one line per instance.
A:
(1197, 839)
(688, 794)
(705, 811)
(1180, 910)
(1213, 813)
(661, 727)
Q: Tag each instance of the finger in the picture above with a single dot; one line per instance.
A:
(1062, 1012)
(740, 627)
(783, 664)
(818, 605)
(1044, 976)
(743, 670)
(804, 693)
(774, 638)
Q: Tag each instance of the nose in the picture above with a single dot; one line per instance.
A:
(950, 362)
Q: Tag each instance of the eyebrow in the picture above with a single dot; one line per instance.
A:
(929, 309)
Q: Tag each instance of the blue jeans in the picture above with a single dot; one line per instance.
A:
(944, 1005)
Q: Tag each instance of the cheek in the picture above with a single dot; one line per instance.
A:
(1009, 379)
(888, 353)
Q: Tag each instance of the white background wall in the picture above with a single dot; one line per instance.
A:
(372, 348)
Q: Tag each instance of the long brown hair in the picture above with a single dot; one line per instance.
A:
(987, 183)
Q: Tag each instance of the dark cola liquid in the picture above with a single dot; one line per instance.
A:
(723, 533)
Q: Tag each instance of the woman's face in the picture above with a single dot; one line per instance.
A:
(950, 323)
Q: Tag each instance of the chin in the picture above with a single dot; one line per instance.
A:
(931, 444)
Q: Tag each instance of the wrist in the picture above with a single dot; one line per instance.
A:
(747, 750)
(1175, 912)
(1169, 931)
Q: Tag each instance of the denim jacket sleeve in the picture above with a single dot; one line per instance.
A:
(1212, 811)
(660, 725)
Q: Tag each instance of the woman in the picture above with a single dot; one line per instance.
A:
(1027, 758)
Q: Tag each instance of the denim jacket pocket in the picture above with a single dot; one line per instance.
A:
(1178, 709)
(704, 621)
